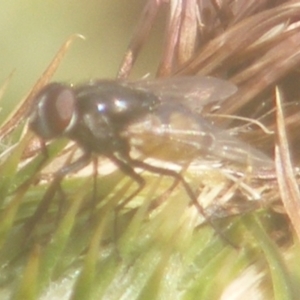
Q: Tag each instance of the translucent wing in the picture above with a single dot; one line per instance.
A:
(194, 91)
(173, 134)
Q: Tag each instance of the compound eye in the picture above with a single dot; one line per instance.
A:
(54, 111)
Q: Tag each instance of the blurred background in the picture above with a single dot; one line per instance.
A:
(31, 32)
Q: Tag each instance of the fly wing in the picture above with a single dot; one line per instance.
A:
(193, 91)
(182, 136)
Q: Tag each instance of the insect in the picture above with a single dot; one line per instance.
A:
(160, 118)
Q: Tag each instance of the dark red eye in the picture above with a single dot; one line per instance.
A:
(54, 111)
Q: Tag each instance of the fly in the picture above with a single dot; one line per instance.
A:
(157, 118)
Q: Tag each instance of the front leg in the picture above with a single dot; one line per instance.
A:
(54, 186)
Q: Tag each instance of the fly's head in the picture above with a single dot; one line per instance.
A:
(55, 111)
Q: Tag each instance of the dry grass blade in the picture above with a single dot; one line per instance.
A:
(144, 26)
(5, 85)
(224, 49)
(21, 112)
(288, 187)
(274, 65)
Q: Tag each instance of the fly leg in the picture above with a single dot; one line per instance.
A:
(179, 178)
(127, 165)
(54, 186)
(127, 169)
